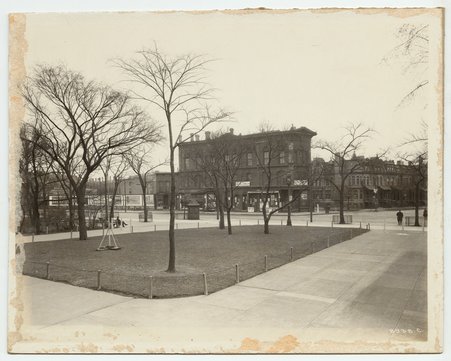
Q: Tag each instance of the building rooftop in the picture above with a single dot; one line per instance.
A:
(195, 139)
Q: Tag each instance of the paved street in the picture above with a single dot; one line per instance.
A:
(377, 220)
(371, 289)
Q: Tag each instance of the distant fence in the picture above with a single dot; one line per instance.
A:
(176, 285)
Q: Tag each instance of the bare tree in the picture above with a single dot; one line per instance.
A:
(412, 52)
(223, 164)
(342, 152)
(268, 152)
(415, 154)
(117, 165)
(175, 86)
(139, 160)
(209, 163)
(66, 187)
(35, 169)
(82, 122)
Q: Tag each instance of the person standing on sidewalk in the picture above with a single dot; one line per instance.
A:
(399, 216)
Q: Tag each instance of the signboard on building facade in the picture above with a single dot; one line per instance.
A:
(243, 184)
(300, 182)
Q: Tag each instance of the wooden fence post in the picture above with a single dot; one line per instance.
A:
(98, 280)
(205, 284)
(150, 287)
(237, 273)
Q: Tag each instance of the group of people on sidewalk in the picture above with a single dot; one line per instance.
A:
(400, 216)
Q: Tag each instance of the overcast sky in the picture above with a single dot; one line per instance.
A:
(308, 69)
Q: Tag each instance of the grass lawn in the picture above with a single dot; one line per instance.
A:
(206, 250)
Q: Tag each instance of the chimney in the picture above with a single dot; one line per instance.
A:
(191, 137)
(207, 135)
(231, 131)
(197, 137)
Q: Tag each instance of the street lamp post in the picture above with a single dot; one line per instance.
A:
(289, 200)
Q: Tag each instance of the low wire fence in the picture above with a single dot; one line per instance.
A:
(179, 285)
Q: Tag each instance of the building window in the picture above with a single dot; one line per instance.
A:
(187, 165)
(249, 159)
(282, 158)
(266, 157)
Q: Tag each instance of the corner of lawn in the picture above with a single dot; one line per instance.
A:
(206, 258)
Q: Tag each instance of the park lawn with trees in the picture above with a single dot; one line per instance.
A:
(206, 250)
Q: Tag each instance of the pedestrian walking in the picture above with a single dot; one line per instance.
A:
(399, 217)
(425, 217)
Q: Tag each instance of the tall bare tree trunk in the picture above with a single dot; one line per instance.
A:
(220, 205)
(113, 199)
(417, 204)
(221, 217)
(146, 216)
(105, 188)
(81, 213)
(266, 226)
(171, 266)
(342, 206)
(229, 221)
(71, 209)
(265, 218)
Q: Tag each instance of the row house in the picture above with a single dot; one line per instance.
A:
(374, 183)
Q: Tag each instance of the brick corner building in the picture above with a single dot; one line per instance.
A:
(290, 153)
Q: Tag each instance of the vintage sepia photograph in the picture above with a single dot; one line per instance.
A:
(226, 182)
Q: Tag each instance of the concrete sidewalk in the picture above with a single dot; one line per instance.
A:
(369, 289)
